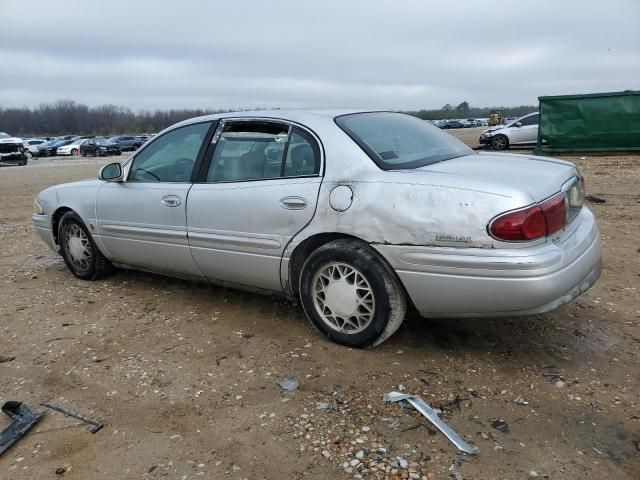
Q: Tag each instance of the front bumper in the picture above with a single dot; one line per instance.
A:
(42, 224)
(484, 139)
(473, 282)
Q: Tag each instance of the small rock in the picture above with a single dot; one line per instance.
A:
(322, 405)
(60, 471)
(5, 359)
(403, 463)
(559, 384)
(520, 400)
(289, 384)
(360, 454)
(533, 474)
(365, 429)
(326, 454)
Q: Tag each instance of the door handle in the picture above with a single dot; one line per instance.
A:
(171, 200)
(293, 203)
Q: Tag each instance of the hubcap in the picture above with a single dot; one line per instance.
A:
(343, 298)
(78, 247)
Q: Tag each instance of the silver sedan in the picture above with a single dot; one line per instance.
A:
(357, 214)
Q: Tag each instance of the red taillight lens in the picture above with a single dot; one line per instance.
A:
(555, 213)
(527, 224)
(532, 223)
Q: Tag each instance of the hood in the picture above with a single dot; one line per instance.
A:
(536, 177)
(494, 128)
(11, 140)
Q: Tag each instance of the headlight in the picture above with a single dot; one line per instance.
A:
(37, 208)
(103, 148)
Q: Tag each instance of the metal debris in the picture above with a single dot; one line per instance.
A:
(500, 425)
(433, 417)
(23, 419)
(289, 384)
(95, 425)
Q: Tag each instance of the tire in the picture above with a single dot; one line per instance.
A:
(24, 162)
(500, 142)
(379, 304)
(74, 152)
(28, 155)
(135, 147)
(89, 264)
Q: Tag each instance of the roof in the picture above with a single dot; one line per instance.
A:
(302, 116)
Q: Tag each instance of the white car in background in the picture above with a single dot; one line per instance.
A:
(72, 149)
(31, 146)
(522, 131)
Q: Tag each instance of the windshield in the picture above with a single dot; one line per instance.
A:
(4, 135)
(397, 141)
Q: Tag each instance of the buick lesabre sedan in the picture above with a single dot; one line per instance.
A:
(358, 214)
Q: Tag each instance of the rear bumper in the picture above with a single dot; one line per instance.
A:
(473, 282)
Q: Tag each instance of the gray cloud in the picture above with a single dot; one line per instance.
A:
(406, 54)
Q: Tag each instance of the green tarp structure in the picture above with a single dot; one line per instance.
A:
(594, 122)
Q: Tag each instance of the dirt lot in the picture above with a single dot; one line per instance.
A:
(184, 375)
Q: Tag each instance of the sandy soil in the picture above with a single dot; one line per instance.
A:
(184, 375)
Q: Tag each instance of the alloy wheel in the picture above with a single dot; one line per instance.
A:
(78, 247)
(343, 298)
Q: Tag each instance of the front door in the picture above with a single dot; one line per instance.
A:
(142, 221)
(261, 188)
(527, 132)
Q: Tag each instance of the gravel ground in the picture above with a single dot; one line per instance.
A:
(184, 375)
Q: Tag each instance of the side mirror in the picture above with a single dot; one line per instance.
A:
(111, 172)
(517, 124)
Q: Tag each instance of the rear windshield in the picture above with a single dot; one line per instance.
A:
(397, 141)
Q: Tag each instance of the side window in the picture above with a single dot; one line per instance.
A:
(532, 120)
(170, 157)
(303, 155)
(263, 150)
(248, 151)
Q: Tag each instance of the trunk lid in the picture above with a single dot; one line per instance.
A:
(539, 177)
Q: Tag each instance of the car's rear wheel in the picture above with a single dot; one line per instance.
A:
(499, 142)
(80, 253)
(350, 295)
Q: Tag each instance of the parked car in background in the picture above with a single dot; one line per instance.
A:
(127, 142)
(72, 148)
(453, 124)
(99, 147)
(50, 149)
(31, 145)
(12, 150)
(282, 202)
(521, 132)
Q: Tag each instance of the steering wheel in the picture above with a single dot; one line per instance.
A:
(147, 173)
(181, 170)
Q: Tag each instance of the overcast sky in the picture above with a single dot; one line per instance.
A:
(390, 54)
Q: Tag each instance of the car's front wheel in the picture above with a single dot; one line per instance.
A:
(74, 152)
(79, 251)
(499, 142)
(350, 295)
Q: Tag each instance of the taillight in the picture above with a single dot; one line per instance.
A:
(527, 224)
(555, 213)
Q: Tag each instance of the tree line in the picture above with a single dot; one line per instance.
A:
(65, 117)
(464, 110)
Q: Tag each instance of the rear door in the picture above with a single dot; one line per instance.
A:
(259, 188)
(142, 220)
